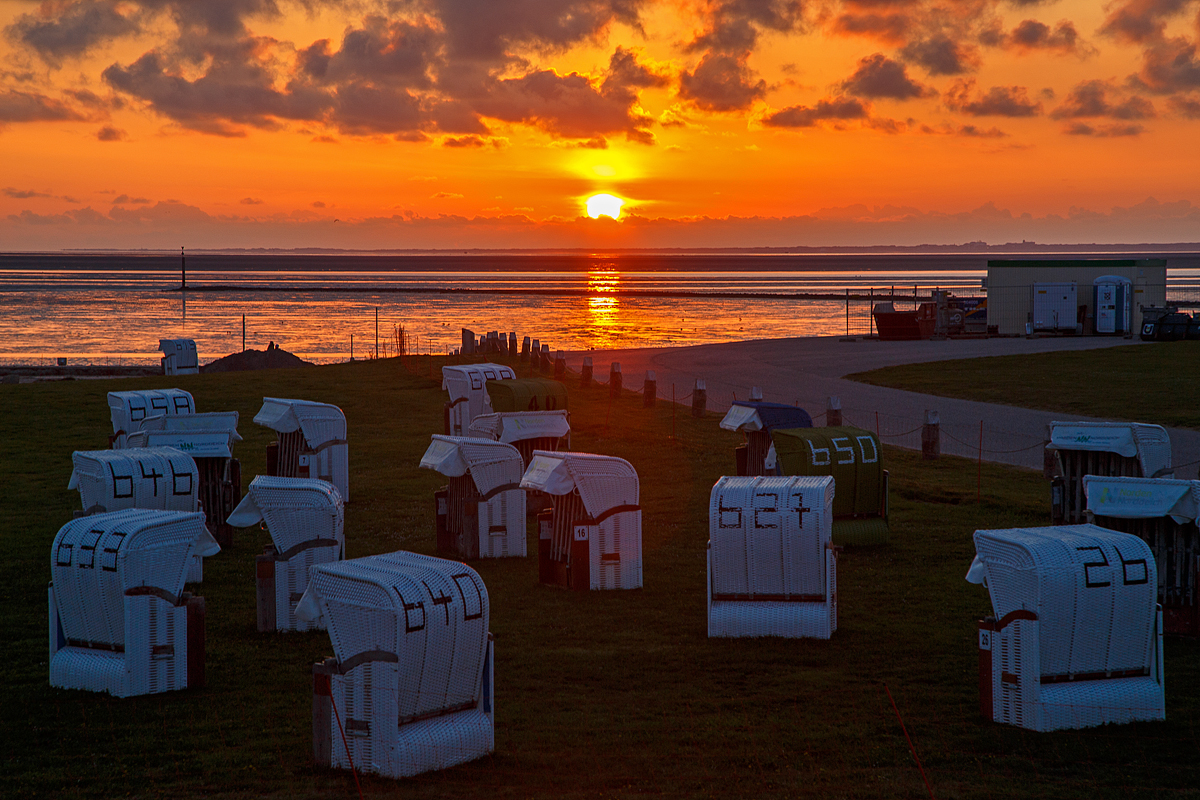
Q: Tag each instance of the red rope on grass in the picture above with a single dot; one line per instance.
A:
(910, 742)
(349, 757)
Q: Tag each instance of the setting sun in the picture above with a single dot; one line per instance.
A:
(604, 205)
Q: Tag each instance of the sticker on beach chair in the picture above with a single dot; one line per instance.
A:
(581, 533)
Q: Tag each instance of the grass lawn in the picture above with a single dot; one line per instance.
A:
(1141, 383)
(597, 694)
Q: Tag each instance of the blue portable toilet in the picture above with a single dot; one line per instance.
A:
(1112, 298)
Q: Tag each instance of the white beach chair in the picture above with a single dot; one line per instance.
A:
(1076, 449)
(467, 387)
(305, 519)
(410, 687)
(179, 356)
(161, 478)
(481, 512)
(1076, 640)
(311, 441)
(525, 430)
(119, 619)
(128, 410)
(772, 567)
(591, 538)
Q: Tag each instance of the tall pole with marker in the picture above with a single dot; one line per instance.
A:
(183, 268)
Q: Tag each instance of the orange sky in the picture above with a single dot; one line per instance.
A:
(473, 123)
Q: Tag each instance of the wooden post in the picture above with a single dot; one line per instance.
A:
(545, 363)
(614, 380)
(847, 311)
(979, 469)
(699, 398)
(377, 331)
(931, 438)
(672, 411)
(535, 354)
(512, 343)
(243, 333)
(196, 614)
(183, 269)
(560, 365)
(833, 411)
(650, 390)
(468, 342)
(322, 711)
(264, 590)
(585, 372)
(755, 394)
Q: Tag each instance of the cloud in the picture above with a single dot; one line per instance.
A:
(250, 201)
(840, 108)
(125, 199)
(889, 28)
(1170, 66)
(69, 30)
(569, 105)
(879, 76)
(966, 131)
(23, 194)
(16, 106)
(941, 55)
(1033, 36)
(110, 134)
(1186, 107)
(467, 141)
(1091, 99)
(446, 196)
(382, 52)
(1137, 21)
(721, 82)
(999, 101)
(318, 204)
(1110, 130)
(733, 26)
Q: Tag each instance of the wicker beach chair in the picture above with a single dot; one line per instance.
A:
(161, 478)
(1165, 513)
(591, 537)
(305, 519)
(128, 410)
(410, 687)
(1114, 449)
(1076, 640)
(525, 430)
(179, 356)
(772, 567)
(119, 619)
(467, 387)
(756, 420)
(311, 441)
(481, 512)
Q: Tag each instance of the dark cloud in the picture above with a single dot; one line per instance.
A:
(489, 31)
(890, 28)
(110, 134)
(972, 131)
(24, 194)
(67, 30)
(18, 106)
(563, 105)
(393, 53)
(362, 108)
(250, 201)
(999, 101)
(1092, 99)
(125, 199)
(1033, 36)
(1102, 131)
(1187, 107)
(721, 83)
(879, 76)
(1170, 66)
(835, 108)
(733, 26)
(1141, 20)
(941, 55)
(462, 142)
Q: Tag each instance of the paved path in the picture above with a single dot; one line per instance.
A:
(809, 370)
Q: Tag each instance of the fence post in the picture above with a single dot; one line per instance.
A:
(614, 380)
(585, 373)
(468, 342)
(525, 349)
(755, 394)
(546, 363)
(833, 411)
(535, 354)
(931, 436)
(512, 343)
(560, 365)
(699, 398)
(650, 390)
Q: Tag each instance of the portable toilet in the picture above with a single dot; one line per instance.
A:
(1112, 298)
(209, 441)
(1114, 449)
(311, 441)
(409, 689)
(1165, 514)
(467, 386)
(129, 410)
(481, 512)
(756, 420)
(591, 536)
(527, 394)
(179, 356)
(160, 478)
(772, 567)
(855, 460)
(305, 519)
(1076, 636)
(120, 621)
(525, 430)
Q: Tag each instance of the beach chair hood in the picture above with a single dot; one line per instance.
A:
(604, 482)
(1143, 498)
(321, 423)
(520, 426)
(1150, 443)
(492, 465)
(757, 416)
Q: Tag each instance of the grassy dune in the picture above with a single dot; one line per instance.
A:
(598, 694)
(1142, 383)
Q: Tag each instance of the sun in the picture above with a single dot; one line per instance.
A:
(604, 205)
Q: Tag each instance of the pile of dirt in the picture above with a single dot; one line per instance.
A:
(272, 358)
